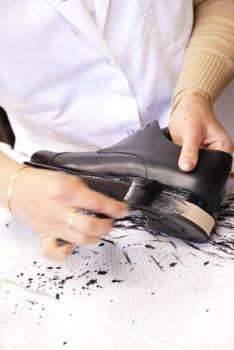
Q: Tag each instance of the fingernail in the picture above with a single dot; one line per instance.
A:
(186, 164)
(125, 212)
(61, 243)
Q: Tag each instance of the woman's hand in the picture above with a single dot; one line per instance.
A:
(194, 125)
(46, 199)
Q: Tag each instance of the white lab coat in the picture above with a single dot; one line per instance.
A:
(69, 83)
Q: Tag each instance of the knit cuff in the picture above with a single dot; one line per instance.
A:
(205, 71)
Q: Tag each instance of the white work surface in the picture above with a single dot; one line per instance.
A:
(132, 291)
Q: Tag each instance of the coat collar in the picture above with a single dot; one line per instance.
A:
(76, 13)
(101, 8)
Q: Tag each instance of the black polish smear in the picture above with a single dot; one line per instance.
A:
(57, 296)
(65, 343)
(206, 263)
(134, 222)
(205, 251)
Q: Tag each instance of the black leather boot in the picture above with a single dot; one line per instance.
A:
(142, 170)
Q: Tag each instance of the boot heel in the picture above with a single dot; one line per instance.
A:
(172, 211)
(192, 224)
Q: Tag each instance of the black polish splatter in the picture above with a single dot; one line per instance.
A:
(102, 272)
(149, 246)
(91, 282)
(116, 281)
(173, 264)
(156, 262)
(127, 258)
(84, 273)
(108, 241)
(173, 244)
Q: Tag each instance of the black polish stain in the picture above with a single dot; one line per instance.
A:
(57, 296)
(102, 272)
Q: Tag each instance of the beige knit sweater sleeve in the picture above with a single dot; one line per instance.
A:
(209, 58)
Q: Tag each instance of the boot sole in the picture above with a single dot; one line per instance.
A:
(166, 209)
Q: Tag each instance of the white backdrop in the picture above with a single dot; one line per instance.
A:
(133, 290)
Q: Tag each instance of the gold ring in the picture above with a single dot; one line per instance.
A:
(71, 217)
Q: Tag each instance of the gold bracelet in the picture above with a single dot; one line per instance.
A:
(203, 95)
(11, 185)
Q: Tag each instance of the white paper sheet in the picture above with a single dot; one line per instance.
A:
(133, 290)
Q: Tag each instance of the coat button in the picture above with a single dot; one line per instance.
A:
(111, 63)
(130, 132)
(74, 31)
